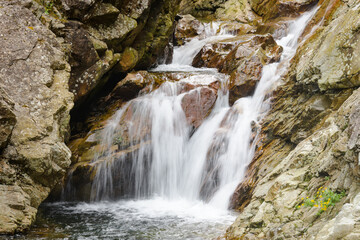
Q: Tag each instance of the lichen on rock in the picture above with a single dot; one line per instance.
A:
(34, 90)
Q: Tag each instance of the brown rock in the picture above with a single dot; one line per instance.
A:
(269, 9)
(245, 62)
(212, 55)
(186, 28)
(197, 104)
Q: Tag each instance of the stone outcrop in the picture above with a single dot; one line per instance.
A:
(308, 144)
(187, 27)
(242, 58)
(111, 37)
(34, 114)
(54, 54)
(227, 10)
(270, 9)
(197, 100)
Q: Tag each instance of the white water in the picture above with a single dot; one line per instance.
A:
(183, 175)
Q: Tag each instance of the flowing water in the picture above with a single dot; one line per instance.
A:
(180, 180)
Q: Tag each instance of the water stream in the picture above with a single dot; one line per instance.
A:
(181, 179)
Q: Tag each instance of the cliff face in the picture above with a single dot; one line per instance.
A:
(35, 105)
(52, 55)
(308, 149)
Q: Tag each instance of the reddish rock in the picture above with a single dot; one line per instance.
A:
(197, 104)
(245, 62)
(187, 27)
(212, 55)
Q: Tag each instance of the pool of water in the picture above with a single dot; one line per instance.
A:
(141, 219)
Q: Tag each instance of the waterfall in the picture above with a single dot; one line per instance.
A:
(172, 163)
(161, 176)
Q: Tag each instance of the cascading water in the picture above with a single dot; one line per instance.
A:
(181, 180)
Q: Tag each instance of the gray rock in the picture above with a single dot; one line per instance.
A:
(34, 75)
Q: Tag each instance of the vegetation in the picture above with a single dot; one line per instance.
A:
(324, 199)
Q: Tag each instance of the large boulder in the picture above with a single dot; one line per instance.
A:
(35, 104)
(245, 63)
(187, 27)
(333, 63)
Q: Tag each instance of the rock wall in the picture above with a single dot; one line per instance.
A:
(55, 53)
(34, 115)
(308, 145)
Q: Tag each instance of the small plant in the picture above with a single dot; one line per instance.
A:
(323, 199)
(48, 5)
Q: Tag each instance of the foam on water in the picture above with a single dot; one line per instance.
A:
(190, 176)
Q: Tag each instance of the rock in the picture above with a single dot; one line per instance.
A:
(156, 33)
(99, 46)
(269, 9)
(92, 79)
(308, 140)
(77, 8)
(128, 60)
(113, 34)
(7, 118)
(197, 105)
(133, 8)
(186, 28)
(333, 63)
(34, 75)
(103, 13)
(245, 63)
(238, 10)
(200, 8)
(83, 54)
(213, 55)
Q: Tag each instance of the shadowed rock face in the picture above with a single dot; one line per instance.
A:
(111, 37)
(34, 115)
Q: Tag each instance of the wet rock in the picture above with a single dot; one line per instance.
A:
(197, 105)
(186, 28)
(212, 55)
(34, 75)
(130, 86)
(245, 63)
